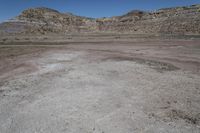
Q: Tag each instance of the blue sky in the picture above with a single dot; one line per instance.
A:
(89, 8)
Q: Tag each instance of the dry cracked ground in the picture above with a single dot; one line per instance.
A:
(126, 87)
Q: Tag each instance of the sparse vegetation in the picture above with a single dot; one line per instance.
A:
(26, 38)
(66, 23)
(17, 38)
(4, 39)
(178, 114)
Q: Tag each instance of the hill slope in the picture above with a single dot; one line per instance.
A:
(179, 20)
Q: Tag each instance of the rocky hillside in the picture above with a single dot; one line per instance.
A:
(179, 20)
(45, 20)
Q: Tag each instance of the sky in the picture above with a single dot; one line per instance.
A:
(88, 8)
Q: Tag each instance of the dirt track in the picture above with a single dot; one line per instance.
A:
(105, 88)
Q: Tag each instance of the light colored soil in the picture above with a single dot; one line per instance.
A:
(105, 88)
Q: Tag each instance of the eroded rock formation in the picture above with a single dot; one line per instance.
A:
(179, 20)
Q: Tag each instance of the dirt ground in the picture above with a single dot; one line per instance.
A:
(116, 87)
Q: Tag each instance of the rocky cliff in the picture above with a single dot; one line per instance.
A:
(179, 20)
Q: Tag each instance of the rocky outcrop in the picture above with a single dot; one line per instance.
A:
(45, 20)
(179, 20)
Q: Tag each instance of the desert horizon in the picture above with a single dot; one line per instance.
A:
(136, 72)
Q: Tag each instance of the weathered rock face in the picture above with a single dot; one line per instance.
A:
(179, 20)
(45, 20)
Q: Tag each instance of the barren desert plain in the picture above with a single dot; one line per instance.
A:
(99, 84)
(134, 73)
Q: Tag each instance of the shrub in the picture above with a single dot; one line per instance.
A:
(4, 39)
